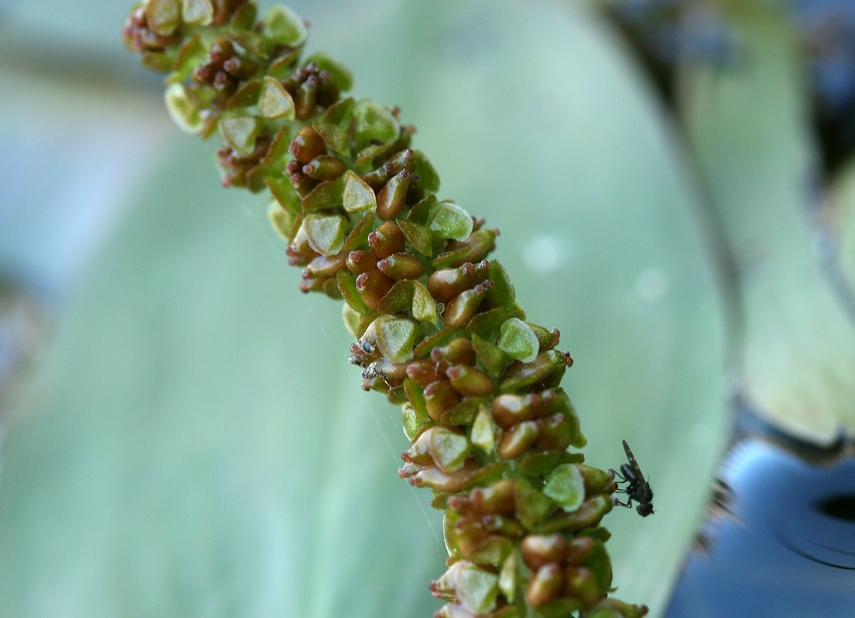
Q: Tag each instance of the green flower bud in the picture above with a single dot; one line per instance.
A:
(447, 220)
(586, 516)
(396, 337)
(491, 356)
(518, 340)
(566, 487)
(163, 16)
(357, 196)
(373, 122)
(418, 235)
(596, 480)
(239, 132)
(503, 294)
(183, 109)
(521, 375)
(483, 435)
(532, 506)
(472, 249)
(281, 26)
(325, 233)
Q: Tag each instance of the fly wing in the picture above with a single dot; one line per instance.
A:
(632, 462)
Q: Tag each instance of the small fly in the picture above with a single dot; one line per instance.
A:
(637, 488)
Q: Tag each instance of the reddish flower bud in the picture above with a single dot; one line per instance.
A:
(440, 397)
(386, 240)
(498, 498)
(538, 550)
(518, 439)
(307, 145)
(508, 410)
(393, 195)
(555, 435)
(464, 306)
(545, 585)
(445, 284)
(359, 262)
(372, 287)
(458, 351)
(304, 102)
(423, 372)
(579, 550)
(325, 167)
(470, 382)
(401, 266)
(580, 583)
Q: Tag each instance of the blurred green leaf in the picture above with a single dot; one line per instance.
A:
(843, 199)
(796, 356)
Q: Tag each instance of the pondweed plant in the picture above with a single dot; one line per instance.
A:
(439, 330)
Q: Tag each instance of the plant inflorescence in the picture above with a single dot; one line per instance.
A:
(438, 328)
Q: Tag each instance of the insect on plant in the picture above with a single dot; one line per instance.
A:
(637, 488)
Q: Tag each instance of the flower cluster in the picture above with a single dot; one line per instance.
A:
(437, 325)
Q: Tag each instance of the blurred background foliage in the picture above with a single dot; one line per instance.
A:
(178, 450)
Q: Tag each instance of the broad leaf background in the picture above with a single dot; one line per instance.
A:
(196, 444)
